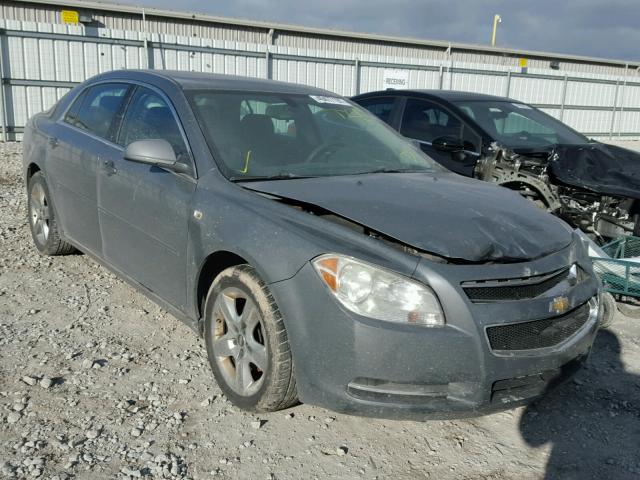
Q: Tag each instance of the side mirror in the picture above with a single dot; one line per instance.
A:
(448, 144)
(156, 151)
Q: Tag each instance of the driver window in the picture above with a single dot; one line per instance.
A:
(149, 117)
(425, 121)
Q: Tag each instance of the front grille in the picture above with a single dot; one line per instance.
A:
(538, 333)
(514, 289)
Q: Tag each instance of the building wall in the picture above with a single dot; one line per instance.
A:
(42, 59)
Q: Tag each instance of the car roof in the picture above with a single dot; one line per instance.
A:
(448, 95)
(200, 80)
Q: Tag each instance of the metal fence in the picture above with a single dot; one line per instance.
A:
(39, 62)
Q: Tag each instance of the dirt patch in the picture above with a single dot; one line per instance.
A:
(96, 381)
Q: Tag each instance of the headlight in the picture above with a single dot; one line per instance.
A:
(378, 293)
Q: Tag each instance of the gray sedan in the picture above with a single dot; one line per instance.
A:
(321, 256)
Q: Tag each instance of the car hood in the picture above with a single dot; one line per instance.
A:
(444, 213)
(606, 169)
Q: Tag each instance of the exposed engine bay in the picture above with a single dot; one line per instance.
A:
(570, 182)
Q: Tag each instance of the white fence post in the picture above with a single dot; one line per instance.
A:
(3, 101)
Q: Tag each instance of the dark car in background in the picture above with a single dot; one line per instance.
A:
(320, 255)
(593, 186)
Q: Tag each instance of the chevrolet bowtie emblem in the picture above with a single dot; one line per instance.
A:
(559, 305)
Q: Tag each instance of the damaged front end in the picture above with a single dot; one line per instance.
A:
(585, 185)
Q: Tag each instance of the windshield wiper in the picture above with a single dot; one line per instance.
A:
(394, 170)
(279, 176)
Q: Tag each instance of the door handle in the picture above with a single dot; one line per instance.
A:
(53, 142)
(109, 167)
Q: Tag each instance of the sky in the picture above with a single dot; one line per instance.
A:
(598, 28)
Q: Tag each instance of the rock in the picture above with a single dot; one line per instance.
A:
(136, 432)
(256, 424)
(7, 469)
(342, 450)
(92, 433)
(13, 417)
(87, 363)
(31, 381)
(46, 382)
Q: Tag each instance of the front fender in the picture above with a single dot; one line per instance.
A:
(276, 239)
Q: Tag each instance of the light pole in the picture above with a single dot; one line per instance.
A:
(496, 20)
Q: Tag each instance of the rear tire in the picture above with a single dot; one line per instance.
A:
(42, 220)
(247, 343)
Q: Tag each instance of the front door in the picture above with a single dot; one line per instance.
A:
(426, 121)
(143, 209)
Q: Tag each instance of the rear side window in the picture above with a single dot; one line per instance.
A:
(95, 109)
(148, 117)
(380, 107)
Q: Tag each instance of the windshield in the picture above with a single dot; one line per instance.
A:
(258, 135)
(517, 125)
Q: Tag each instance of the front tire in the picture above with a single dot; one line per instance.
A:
(247, 343)
(609, 310)
(42, 219)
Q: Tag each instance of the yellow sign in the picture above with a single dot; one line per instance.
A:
(523, 62)
(69, 16)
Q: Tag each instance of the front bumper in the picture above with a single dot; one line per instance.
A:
(358, 365)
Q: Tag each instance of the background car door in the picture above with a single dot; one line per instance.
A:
(426, 121)
(75, 146)
(143, 209)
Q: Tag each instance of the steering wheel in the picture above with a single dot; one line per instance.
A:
(323, 147)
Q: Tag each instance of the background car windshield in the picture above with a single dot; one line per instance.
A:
(517, 125)
(261, 135)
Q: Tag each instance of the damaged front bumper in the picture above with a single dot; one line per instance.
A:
(358, 365)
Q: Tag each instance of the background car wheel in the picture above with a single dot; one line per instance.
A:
(247, 342)
(636, 225)
(609, 310)
(629, 306)
(42, 220)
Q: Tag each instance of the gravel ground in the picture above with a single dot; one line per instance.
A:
(96, 381)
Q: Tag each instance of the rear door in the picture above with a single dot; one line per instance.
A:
(426, 121)
(77, 142)
(144, 209)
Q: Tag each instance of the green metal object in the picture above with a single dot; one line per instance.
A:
(620, 274)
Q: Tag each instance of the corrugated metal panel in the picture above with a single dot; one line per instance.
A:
(595, 121)
(593, 94)
(537, 90)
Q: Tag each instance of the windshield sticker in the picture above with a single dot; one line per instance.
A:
(330, 100)
(522, 106)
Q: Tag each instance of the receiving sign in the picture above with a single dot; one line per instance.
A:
(395, 79)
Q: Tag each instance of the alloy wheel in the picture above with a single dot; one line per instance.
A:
(39, 213)
(238, 341)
